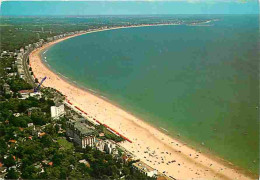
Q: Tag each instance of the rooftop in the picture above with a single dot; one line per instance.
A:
(6, 85)
(82, 127)
(12, 141)
(26, 91)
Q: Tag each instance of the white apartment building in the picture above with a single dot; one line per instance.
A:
(57, 111)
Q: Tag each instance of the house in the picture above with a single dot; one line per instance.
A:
(144, 168)
(31, 125)
(16, 114)
(12, 141)
(8, 68)
(6, 88)
(22, 50)
(31, 110)
(25, 93)
(80, 133)
(30, 47)
(4, 53)
(49, 39)
(2, 170)
(39, 167)
(37, 95)
(41, 134)
(12, 74)
(83, 161)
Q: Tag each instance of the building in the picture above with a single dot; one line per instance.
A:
(22, 50)
(30, 47)
(144, 168)
(25, 93)
(100, 145)
(41, 134)
(33, 109)
(57, 111)
(83, 161)
(11, 74)
(6, 88)
(31, 125)
(16, 114)
(49, 39)
(80, 133)
(20, 70)
(36, 95)
(29, 93)
(110, 147)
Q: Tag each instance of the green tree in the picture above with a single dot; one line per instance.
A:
(30, 172)
(20, 121)
(126, 171)
(53, 173)
(18, 84)
(12, 174)
(46, 140)
(50, 129)
(9, 161)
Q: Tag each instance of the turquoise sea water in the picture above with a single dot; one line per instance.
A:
(197, 81)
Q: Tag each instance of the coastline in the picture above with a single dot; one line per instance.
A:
(189, 162)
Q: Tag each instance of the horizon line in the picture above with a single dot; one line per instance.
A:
(120, 15)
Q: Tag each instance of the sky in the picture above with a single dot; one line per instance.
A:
(132, 7)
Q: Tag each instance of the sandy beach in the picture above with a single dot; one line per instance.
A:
(167, 155)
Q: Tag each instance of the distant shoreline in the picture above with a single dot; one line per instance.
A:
(37, 65)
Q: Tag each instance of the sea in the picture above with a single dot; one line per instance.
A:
(199, 82)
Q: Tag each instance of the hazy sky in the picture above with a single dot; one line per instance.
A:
(120, 7)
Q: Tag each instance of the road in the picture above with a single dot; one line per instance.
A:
(27, 73)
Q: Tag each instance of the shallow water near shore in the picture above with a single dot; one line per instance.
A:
(199, 82)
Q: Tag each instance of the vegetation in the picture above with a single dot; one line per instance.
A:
(18, 32)
(108, 134)
(64, 143)
(49, 156)
(17, 84)
(6, 62)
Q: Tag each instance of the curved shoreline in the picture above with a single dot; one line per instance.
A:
(192, 163)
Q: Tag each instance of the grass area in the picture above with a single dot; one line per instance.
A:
(64, 143)
(108, 134)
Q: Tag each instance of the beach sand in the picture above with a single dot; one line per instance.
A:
(155, 148)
